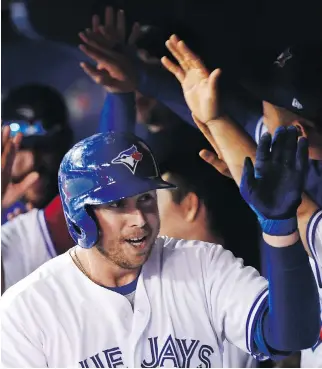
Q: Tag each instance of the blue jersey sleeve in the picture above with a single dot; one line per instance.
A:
(119, 114)
(292, 320)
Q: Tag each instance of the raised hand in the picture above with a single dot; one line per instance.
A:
(10, 193)
(273, 189)
(199, 86)
(106, 45)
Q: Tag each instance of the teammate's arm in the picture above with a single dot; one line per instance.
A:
(119, 110)
(10, 193)
(273, 191)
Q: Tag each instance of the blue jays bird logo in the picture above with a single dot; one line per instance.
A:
(129, 157)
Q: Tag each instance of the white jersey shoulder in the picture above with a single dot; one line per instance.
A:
(25, 245)
(312, 358)
(260, 129)
(190, 297)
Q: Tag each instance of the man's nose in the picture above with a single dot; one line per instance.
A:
(137, 218)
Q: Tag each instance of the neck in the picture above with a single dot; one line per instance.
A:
(103, 271)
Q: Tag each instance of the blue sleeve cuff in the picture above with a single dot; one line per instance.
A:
(258, 308)
(282, 227)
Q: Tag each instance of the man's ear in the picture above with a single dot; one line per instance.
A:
(300, 128)
(190, 206)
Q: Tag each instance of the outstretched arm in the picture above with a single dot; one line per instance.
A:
(273, 189)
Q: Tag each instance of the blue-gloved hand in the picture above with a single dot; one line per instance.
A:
(273, 189)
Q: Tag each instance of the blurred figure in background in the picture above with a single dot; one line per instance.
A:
(207, 206)
(30, 239)
(150, 112)
(40, 114)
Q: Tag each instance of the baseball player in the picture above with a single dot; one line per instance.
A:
(31, 239)
(289, 86)
(123, 297)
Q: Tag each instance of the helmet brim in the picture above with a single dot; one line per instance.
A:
(115, 192)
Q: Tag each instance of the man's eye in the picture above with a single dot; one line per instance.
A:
(146, 198)
(115, 204)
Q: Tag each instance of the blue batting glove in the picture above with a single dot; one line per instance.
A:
(273, 189)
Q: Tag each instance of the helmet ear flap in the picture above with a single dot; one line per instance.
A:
(84, 230)
(88, 238)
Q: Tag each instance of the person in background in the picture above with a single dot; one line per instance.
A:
(39, 113)
(206, 206)
(30, 239)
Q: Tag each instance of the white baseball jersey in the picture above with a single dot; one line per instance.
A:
(312, 358)
(25, 245)
(234, 357)
(190, 297)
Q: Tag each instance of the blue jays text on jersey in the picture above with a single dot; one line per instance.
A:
(177, 351)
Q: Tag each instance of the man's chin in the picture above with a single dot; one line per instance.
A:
(134, 263)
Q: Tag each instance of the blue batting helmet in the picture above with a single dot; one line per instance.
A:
(103, 168)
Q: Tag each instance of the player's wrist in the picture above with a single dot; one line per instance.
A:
(221, 118)
(280, 227)
(281, 241)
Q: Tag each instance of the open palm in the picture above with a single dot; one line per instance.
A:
(12, 192)
(107, 46)
(198, 85)
(274, 188)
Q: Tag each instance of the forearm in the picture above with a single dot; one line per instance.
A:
(305, 213)
(233, 143)
(293, 319)
(118, 113)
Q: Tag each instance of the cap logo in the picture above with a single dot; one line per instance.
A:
(296, 104)
(283, 58)
(129, 157)
(26, 112)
